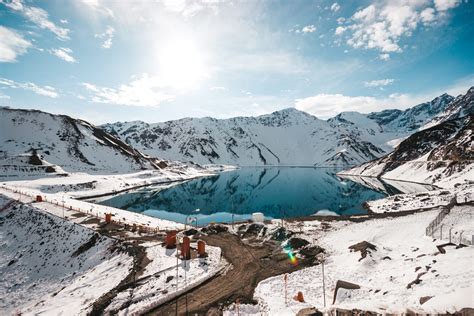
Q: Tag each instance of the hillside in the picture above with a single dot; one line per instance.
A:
(31, 141)
(442, 154)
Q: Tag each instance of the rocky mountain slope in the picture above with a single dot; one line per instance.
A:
(461, 106)
(286, 137)
(443, 153)
(35, 141)
(411, 119)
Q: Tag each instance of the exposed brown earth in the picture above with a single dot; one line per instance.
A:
(250, 265)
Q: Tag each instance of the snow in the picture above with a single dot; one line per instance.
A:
(287, 137)
(69, 284)
(64, 142)
(46, 276)
(157, 289)
(383, 281)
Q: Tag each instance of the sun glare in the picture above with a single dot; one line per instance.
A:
(181, 64)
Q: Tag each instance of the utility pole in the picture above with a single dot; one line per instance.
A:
(177, 274)
(186, 285)
(321, 258)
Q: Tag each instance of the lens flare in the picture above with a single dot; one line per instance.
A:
(291, 256)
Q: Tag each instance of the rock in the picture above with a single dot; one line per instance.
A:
(255, 230)
(364, 247)
(214, 229)
(309, 311)
(281, 234)
(425, 299)
(169, 278)
(190, 232)
(311, 251)
(297, 243)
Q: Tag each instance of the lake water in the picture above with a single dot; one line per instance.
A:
(277, 192)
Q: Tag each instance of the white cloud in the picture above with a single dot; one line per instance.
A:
(96, 7)
(143, 91)
(329, 105)
(4, 96)
(335, 7)
(64, 21)
(341, 20)
(12, 45)
(63, 53)
(382, 25)
(308, 29)
(340, 30)
(46, 91)
(384, 57)
(444, 5)
(427, 16)
(378, 83)
(107, 36)
(37, 16)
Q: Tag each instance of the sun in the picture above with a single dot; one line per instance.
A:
(182, 64)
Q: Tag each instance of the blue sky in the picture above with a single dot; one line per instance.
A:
(107, 61)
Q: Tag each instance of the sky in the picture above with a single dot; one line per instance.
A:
(107, 61)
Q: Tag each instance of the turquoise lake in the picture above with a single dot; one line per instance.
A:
(277, 192)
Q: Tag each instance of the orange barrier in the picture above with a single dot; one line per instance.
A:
(171, 239)
(186, 248)
(39, 198)
(201, 248)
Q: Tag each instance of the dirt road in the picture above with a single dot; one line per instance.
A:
(251, 264)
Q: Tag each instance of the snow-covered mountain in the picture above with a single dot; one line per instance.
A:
(461, 106)
(442, 154)
(32, 140)
(286, 137)
(410, 120)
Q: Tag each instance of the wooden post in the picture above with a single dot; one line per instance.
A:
(286, 288)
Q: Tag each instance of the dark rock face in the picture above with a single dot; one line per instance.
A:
(297, 243)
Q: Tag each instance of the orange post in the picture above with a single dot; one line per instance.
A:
(299, 297)
(39, 198)
(185, 248)
(201, 248)
(108, 218)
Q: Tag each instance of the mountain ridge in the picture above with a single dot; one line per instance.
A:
(348, 138)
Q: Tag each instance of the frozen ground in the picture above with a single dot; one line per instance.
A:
(403, 254)
(65, 190)
(43, 269)
(44, 266)
(425, 200)
(165, 281)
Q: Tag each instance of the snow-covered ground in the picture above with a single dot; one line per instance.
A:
(43, 269)
(424, 200)
(64, 191)
(162, 284)
(403, 254)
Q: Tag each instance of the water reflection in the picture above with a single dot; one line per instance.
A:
(276, 192)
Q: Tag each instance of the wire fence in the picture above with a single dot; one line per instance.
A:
(91, 210)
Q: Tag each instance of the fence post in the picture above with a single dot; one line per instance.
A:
(441, 232)
(460, 237)
(450, 234)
